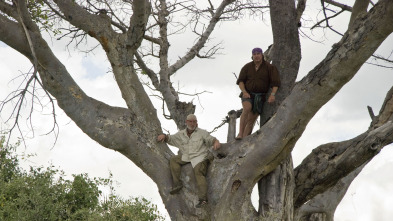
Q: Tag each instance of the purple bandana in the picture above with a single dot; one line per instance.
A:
(257, 50)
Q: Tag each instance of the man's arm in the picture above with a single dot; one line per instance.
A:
(216, 144)
(243, 89)
(173, 140)
(211, 141)
(272, 96)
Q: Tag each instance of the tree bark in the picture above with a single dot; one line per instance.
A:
(276, 191)
(323, 206)
(265, 154)
(360, 7)
(334, 161)
(275, 200)
(232, 116)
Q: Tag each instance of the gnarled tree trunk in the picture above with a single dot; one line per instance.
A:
(264, 156)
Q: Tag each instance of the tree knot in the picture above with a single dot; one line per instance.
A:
(376, 144)
(236, 184)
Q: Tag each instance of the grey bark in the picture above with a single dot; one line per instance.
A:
(285, 54)
(360, 7)
(301, 6)
(323, 206)
(276, 191)
(232, 116)
(132, 130)
(337, 160)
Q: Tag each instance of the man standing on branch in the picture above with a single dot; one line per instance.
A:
(255, 80)
(194, 144)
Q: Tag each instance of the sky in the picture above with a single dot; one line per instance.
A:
(342, 118)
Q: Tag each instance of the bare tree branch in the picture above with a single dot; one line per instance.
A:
(152, 75)
(382, 58)
(346, 155)
(8, 10)
(200, 43)
(337, 4)
(359, 7)
(327, 19)
(301, 6)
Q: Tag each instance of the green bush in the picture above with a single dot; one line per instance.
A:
(44, 194)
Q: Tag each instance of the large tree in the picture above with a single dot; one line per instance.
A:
(135, 36)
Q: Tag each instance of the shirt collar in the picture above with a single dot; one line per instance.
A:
(263, 62)
(196, 129)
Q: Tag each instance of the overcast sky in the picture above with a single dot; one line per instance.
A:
(344, 117)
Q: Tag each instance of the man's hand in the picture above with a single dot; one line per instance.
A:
(216, 145)
(271, 99)
(243, 89)
(161, 138)
(246, 95)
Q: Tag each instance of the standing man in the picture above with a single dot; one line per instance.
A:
(194, 144)
(255, 80)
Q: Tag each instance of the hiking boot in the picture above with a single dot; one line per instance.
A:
(202, 203)
(176, 189)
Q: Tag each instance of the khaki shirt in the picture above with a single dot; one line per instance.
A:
(195, 148)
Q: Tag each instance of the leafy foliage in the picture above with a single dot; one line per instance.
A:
(42, 16)
(44, 194)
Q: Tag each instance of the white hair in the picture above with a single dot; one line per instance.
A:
(191, 117)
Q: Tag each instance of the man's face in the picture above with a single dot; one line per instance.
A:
(257, 57)
(191, 124)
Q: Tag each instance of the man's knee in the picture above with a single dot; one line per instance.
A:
(201, 168)
(174, 160)
(247, 107)
(252, 117)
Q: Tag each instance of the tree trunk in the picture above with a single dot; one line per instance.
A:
(277, 191)
(232, 116)
(359, 8)
(241, 164)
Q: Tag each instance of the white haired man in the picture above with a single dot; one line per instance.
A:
(194, 144)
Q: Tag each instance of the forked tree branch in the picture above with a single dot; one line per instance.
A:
(23, 18)
(346, 156)
(338, 4)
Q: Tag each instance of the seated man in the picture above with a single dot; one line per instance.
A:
(194, 144)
